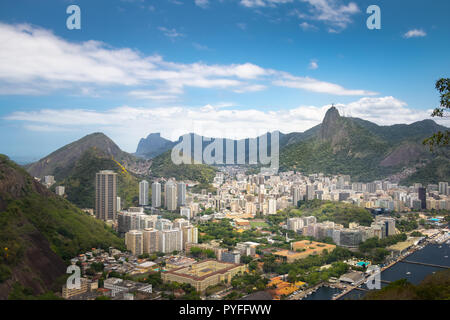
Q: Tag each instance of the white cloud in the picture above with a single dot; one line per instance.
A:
(35, 61)
(202, 3)
(415, 33)
(307, 26)
(127, 125)
(313, 85)
(152, 95)
(334, 13)
(262, 3)
(313, 65)
(171, 33)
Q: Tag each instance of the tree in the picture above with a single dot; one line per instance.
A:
(440, 138)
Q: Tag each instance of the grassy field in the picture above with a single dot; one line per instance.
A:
(256, 224)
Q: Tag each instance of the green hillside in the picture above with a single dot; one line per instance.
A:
(434, 287)
(79, 180)
(433, 172)
(351, 149)
(366, 151)
(162, 166)
(39, 231)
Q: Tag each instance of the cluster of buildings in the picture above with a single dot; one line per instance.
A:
(350, 237)
(151, 233)
(248, 195)
(111, 260)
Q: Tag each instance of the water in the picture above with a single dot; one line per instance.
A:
(430, 254)
(323, 293)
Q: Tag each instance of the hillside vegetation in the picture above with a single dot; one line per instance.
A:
(364, 150)
(79, 180)
(40, 231)
(162, 166)
(434, 287)
(338, 212)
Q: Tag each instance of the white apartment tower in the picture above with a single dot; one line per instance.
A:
(156, 194)
(171, 196)
(143, 193)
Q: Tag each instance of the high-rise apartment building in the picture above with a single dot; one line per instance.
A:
(443, 188)
(423, 197)
(181, 194)
(134, 242)
(272, 206)
(171, 196)
(190, 235)
(118, 204)
(296, 195)
(170, 240)
(156, 194)
(151, 240)
(310, 195)
(106, 195)
(371, 187)
(143, 193)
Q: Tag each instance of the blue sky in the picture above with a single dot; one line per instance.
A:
(231, 68)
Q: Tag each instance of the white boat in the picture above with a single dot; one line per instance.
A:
(408, 272)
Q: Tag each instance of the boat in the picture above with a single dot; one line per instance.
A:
(408, 272)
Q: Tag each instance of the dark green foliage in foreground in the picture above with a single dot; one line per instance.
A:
(441, 138)
(68, 230)
(20, 292)
(433, 287)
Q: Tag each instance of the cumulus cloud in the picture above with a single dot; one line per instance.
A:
(415, 33)
(332, 12)
(127, 125)
(35, 61)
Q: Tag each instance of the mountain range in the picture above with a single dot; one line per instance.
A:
(339, 145)
(345, 145)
